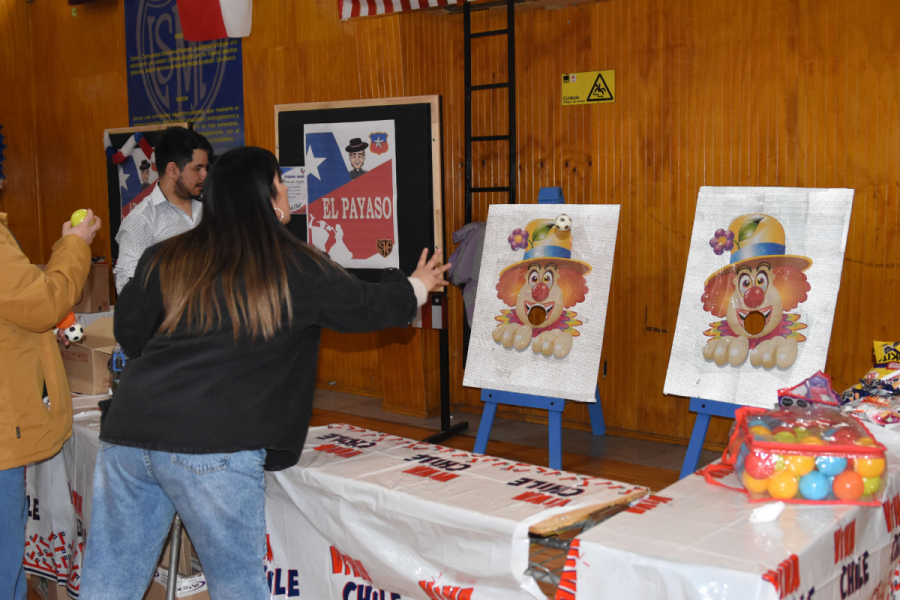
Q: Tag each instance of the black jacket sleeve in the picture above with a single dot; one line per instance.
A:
(345, 304)
(139, 309)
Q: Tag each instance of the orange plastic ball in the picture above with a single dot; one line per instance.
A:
(800, 465)
(848, 486)
(866, 441)
(869, 467)
(783, 485)
(757, 486)
(761, 430)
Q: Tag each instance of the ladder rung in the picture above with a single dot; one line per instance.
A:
(490, 86)
(489, 138)
(491, 32)
(490, 189)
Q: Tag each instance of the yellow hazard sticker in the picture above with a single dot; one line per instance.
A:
(589, 87)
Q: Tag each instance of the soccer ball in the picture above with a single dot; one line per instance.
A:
(74, 333)
(563, 223)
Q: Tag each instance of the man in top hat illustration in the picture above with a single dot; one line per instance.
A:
(145, 174)
(753, 293)
(357, 150)
(540, 287)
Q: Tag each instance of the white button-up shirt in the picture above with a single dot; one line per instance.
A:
(152, 221)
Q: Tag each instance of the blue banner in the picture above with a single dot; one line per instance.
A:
(172, 81)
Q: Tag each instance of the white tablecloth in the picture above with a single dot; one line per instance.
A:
(695, 541)
(363, 515)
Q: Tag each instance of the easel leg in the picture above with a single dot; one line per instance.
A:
(595, 410)
(692, 458)
(555, 426)
(484, 428)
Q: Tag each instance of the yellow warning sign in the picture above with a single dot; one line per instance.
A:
(588, 87)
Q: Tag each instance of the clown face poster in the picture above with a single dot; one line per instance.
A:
(352, 192)
(542, 296)
(760, 291)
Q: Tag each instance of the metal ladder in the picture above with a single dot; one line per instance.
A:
(509, 85)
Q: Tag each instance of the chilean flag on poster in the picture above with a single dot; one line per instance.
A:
(352, 192)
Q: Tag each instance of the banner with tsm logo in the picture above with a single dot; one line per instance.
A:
(171, 80)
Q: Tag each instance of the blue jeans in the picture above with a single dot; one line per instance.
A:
(13, 518)
(220, 498)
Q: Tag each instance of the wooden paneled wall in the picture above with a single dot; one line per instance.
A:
(709, 92)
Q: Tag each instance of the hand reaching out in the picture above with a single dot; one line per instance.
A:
(428, 271)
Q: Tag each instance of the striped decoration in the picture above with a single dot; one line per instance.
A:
(350, 9)
(432, 314)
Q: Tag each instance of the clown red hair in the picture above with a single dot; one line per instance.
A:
(570, 281)
(790, 282)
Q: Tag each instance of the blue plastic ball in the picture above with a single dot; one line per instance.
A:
(814, 486)
(831, 465)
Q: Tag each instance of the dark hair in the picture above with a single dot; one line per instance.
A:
(177, 145)
(239, 247)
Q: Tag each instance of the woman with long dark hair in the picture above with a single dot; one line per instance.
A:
(221, 325)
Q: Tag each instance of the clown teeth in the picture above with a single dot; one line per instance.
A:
(547, 307)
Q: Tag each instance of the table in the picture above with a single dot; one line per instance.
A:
(695, 541)
(363, 515)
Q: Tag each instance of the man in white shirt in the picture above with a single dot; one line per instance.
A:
(182, 159)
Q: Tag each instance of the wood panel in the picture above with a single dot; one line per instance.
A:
(741, 92)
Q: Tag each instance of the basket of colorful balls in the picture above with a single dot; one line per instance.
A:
(806, 451)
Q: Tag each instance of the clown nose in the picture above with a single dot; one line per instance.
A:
(754, 297)
(540, 292)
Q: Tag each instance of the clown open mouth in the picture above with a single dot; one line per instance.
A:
(537, 313)
(754, 321)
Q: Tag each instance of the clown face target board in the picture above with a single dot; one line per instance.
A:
(542, 296)
(760, 291)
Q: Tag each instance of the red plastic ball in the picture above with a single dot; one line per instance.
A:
(844, 435)
(848, 486)
(759, 466)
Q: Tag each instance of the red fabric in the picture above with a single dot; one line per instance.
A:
(201, 20)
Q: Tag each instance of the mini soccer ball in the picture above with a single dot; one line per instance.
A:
(563, 223)
(74, 333)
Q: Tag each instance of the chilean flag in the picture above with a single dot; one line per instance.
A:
(206, 20)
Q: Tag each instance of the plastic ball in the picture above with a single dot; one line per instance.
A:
(831, 465)
(848, 486)
(812, 440)
(757, 422)
(563, 222)
(74, 333)
(814, 486)
(759, 466)
(801, 432)
(779, 464)
(786, 437)
(866, 441)
(78, 216)
(871, 485)
(844, 435)
(760, 430)
(800, 465)
(757, 486)
(778, 430)
(869, 467)
(783, 485)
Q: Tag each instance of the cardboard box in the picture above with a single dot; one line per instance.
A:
(86, 362)
(95, 295)
(46, 589)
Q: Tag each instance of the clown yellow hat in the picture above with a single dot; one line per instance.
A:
(545, 242)
(753, 238)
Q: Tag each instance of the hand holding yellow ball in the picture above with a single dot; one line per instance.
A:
(77, 225)
(78, 216)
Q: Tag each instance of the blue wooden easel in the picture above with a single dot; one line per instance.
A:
(553, 406)
(705, 409)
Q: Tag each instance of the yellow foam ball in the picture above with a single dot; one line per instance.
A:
(757, 486)
(869, 467)
(783, 485)
(800, 465)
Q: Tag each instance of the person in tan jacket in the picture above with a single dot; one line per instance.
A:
(31, 303)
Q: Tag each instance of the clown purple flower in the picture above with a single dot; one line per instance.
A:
(518, 239)
(722, 240)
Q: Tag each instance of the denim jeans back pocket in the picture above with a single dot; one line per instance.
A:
(201, 464)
